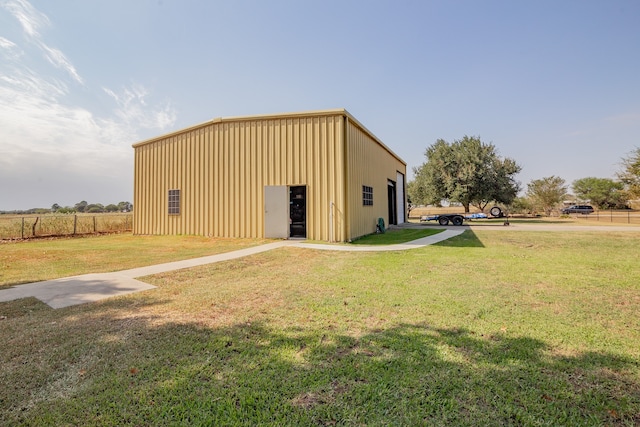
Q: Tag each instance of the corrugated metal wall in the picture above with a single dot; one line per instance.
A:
(221, 168)
(370, 164)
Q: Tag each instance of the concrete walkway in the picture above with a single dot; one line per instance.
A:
(429, 240)
(75, 290)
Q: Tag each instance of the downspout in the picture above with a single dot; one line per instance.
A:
(345, 181)
(331, 239)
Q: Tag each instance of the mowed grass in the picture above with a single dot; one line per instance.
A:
(488, 328)
(395, 236)
(36, 260)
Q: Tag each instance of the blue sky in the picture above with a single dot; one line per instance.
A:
(553, 84)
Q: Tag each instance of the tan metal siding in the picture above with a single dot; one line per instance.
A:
(370, 164)
(221, 170)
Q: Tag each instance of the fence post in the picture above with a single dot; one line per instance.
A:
(611, 214)
(33, 228)
(75, 224)
(94, 224)
(22, 229)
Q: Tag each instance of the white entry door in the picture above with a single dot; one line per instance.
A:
(276, 212)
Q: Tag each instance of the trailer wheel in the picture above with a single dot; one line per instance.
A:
(457, 220)
(443, 220)
(496, 211)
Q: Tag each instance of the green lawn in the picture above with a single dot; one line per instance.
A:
(44, 259)
(489, 328)
(395, 236)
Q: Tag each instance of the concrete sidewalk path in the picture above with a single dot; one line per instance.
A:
(425, 241)
(68, 291)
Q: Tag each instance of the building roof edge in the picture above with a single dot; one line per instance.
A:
(311, 113)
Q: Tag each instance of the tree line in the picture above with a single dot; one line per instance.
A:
(80, 207)
(84, 207)
(472, 173)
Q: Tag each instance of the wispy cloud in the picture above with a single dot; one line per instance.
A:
(33, 114)
(30, 18)
(134, 110)
(32, 21)
(6, 44)
(59, 60)
(45, 136)
(9, 50)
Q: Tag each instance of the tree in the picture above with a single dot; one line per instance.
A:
(467, 171)
(605, 193)
(546, 193)
(630, 175)
(505, 187)
(81, 206)
(415, 195)
(522, 205)
(55, 207)
(125, 207)
(94, 208)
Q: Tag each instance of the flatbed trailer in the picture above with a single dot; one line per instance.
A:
(445, 219)
(455, 219)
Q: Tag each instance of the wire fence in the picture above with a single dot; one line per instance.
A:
(626, 216)
(623, 216)
(14, 227)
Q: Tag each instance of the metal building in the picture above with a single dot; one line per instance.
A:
(319, 175)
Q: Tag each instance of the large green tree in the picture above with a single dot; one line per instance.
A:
(467, 171)
(546, 193)
(605, 193)
(630, 174)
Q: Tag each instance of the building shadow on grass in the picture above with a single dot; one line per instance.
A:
(468, 239)
(149, 371)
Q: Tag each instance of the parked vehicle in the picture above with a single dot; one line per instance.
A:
(581, 209)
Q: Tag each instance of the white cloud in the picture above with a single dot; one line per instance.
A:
(34, 117)
(23, 81)
(9, 50)
(51, 152)
(133, 109)
(56, 151)
(31, 21)
(57, 59)
(30, 18)
(6, 44)
(31, 112)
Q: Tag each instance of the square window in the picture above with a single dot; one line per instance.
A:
(367, 196)
(174, 202)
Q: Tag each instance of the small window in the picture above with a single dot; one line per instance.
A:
(174, 202)
(367, 196)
